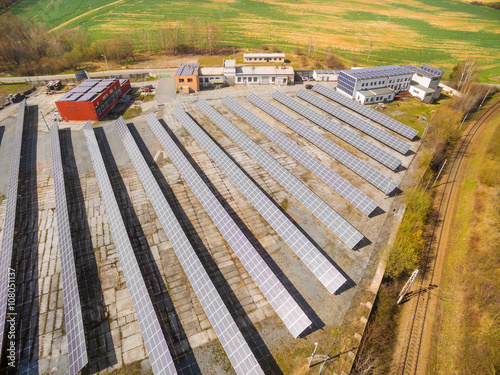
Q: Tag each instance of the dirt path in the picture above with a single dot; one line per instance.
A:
(82, 15)
(414, 341)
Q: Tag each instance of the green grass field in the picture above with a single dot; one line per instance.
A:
(438, 32)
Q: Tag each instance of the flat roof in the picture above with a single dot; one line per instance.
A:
(376, 72)
(327, 71)
(375, 92)
(88, 90)
(423, 88)
(211, 71)
(425, 73)
(263, 55)
(187, 69)
(264, 70)
(229, 63)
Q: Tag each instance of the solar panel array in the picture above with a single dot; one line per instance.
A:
(10, 219)
(338, 130)
(356, 122)
(356, 165)
(87, 90)
(318, 207)
(73, 320)
(337, 183)
(377, 71)
(285, 306)
(156, 346)
(430, 69)
(317, 263)
(232, 340)
(382, 119)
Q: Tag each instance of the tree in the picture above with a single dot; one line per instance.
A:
(464, 74)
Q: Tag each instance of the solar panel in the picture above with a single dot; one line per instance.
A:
(356, 122)
(285, 306)
(338, 130)
(356, 165)
(9, 221)
(232, 340)
(382, 119)
(318, 207)
(73, 320)
(337, 183)
(317, 263)
(377, 71)
(156, 346)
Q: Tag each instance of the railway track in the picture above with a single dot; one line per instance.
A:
(412, 350)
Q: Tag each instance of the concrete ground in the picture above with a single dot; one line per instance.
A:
(118, 342)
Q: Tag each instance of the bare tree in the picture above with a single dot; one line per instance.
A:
(465, 74)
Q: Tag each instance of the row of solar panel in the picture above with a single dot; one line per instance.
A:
(368, 112)
(10, 218)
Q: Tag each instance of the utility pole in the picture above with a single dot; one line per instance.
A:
(407, 286)
(106, 61)
(370, 51)
(47, 125)
(480, 105)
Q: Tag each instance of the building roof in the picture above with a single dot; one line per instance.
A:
(327, 71)
(245, 55)
(423, 88)
(229, 63)
(211, 71)
(264, 70)
(375, 92)
(425, 73)
(377, 72)
(187, 69)
(88, 90)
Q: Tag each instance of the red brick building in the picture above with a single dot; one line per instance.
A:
(92, 99)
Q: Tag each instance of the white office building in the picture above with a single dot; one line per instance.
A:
(374, 85)
(263, 57)
(326, 75)
(264, 75)
(425, 82)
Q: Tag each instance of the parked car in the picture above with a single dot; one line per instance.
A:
(147, 88)
(308, 87)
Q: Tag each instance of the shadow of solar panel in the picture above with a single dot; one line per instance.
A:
(10, 218)
(317, 263)
(337, 183)
(356, 122)
(336, 129)
(318, 207)
(156, 346)
(218, 314)
(285, 306)
(77, 351)
(372, 114)
(358, 166)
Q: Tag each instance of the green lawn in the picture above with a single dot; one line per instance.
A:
(12, 88)
(438, 32)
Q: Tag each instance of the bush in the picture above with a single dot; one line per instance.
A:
(409, 241)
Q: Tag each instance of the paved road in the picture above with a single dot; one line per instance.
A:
(92, 75)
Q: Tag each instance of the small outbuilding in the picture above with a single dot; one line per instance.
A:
(263, 57)
(187, 77)
(326, 75)
(92, 99)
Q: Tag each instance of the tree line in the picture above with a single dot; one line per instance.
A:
(28, 48)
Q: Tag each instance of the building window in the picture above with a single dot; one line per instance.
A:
(239, 79)
(181, 79)
(190, 80)
(273, 79)
(255, 79)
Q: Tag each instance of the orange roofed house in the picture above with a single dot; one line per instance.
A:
(186, 77)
